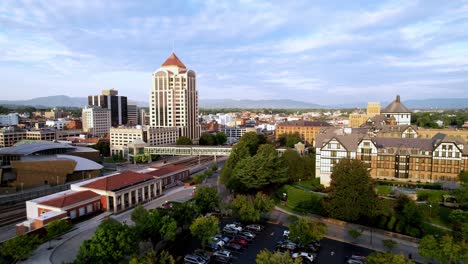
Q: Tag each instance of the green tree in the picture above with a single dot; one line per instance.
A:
(183, 213)
(214, 167)
(206, 199)
(445, 250)
(267, 257)
(56, 228)
(409, 214)
(461, 194)
(204, 228)
(289, 139)
(265, 168)
(309, 164)
(152, 224)
(296, 165)
(103, 146)
(252, 140)
(199, 178)
(387, 257)
(184, 141)
(207, 139)
(354, 233)
(249, 208)
(389, 244)
(153, 257)
(221, 138)
(20, 247)
(305, 231)
(459, 220)
(208, 172)
(351, 193)
(111, 242)
(239, 152)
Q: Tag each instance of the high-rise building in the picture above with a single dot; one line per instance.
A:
(109, 99)
(96, 120)
(132, 114)
(174, 98)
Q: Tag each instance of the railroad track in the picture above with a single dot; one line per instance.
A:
(12, 214)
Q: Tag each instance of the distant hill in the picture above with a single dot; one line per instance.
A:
(255, 104)
(55, 101)
(67, 101)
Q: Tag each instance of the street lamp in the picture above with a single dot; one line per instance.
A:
(430, 210)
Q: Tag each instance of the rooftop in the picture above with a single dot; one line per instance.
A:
(173, 60)
(161, 171)
(305, 123)
(70, 199)
(82, 164)
(396, 107)
(27, 149)
(118, 181)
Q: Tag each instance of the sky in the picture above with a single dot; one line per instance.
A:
(324, 52)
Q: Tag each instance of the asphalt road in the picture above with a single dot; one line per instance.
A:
(332, 251)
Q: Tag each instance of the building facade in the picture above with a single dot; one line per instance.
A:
(58, 124)
(96, 121)
(174, 98)
(308, 130)
(121, 137)
(9, 119)
(132, 114)
(436, 159)
(398, 111)
(109, 99)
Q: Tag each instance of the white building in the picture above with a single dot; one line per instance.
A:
(233, 134)
(59, 124)
(174, 99)
(398, 111)
(121, 137)
(96, 120)
(9, 119)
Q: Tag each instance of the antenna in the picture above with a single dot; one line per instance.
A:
(173, 46)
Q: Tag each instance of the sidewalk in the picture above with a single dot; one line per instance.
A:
(370, 238)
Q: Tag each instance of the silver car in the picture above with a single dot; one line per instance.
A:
(194, 259)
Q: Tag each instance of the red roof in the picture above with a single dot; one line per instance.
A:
(173, 60)
(161, 171)
(70, 199)
(118, 181)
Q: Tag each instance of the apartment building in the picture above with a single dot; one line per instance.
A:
(117, 105)
(58, 124)
(308, 130)
(96, 121)
(440, 158)
(9, 119)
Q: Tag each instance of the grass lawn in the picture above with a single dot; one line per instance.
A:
(312, 185)
(383, 190)
(431, 195)
(301, 200)
(437, 215)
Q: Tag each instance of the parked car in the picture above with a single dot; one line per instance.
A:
(221, 237)
(255, 228)
(306, 257)
(212, 246)
(286, 234)
(230, 231)
(194, 259)
(202, 254)
(235, 226)
(249, 239)
(223, 253)
(233, 246)
(221, 259)
(219, 241)
(249, 234)
(286, 244)
(240, 241)
(356, 259)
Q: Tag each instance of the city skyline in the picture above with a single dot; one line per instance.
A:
(242, 50)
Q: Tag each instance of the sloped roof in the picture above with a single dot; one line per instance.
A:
(162, 171)
(118, 181)
(414, 143)
(70, 199)
(27, 149)
(349, 141)
(173, 60)
(305, 123)
(396, 107)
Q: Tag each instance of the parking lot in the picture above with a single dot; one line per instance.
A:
(331, 251)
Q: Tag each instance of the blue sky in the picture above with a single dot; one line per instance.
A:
(316, 51)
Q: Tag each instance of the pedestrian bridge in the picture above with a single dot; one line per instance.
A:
(195, 150)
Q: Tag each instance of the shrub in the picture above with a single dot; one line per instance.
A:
(400, 226)
(199, 178)
(389, 244)
(382, 222)
(391, 222)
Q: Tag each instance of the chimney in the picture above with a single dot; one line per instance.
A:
(398, 98)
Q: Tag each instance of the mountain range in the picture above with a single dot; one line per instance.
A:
(66, 101)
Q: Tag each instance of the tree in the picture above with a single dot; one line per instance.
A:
(249, 208)
(199, 178)
(461, 194)
(351, 194)
(207, 139)
(354, 233)
(151, 224)
(20, 247)
(206, 199)
(103, 146)
(253, 173)
(214, 167)
(56, 228)
(183, 213)
(389, 244)
(239, 152)
(296, 165)
(252, 140)
(208, 172)
(387, 257)
(204, 228)
(184, 141)
(153, 257)
(444, 250)
(110, 243)
(305, 231)
(267, 257)
(409, 214)
(289, 139)
(221, 138)
(459, 220)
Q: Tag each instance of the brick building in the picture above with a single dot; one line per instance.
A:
(308, 130)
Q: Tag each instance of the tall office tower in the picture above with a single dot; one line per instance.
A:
(373, 109)
(132, 114)
(116, 104)
(96, 120)
(174, 99)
